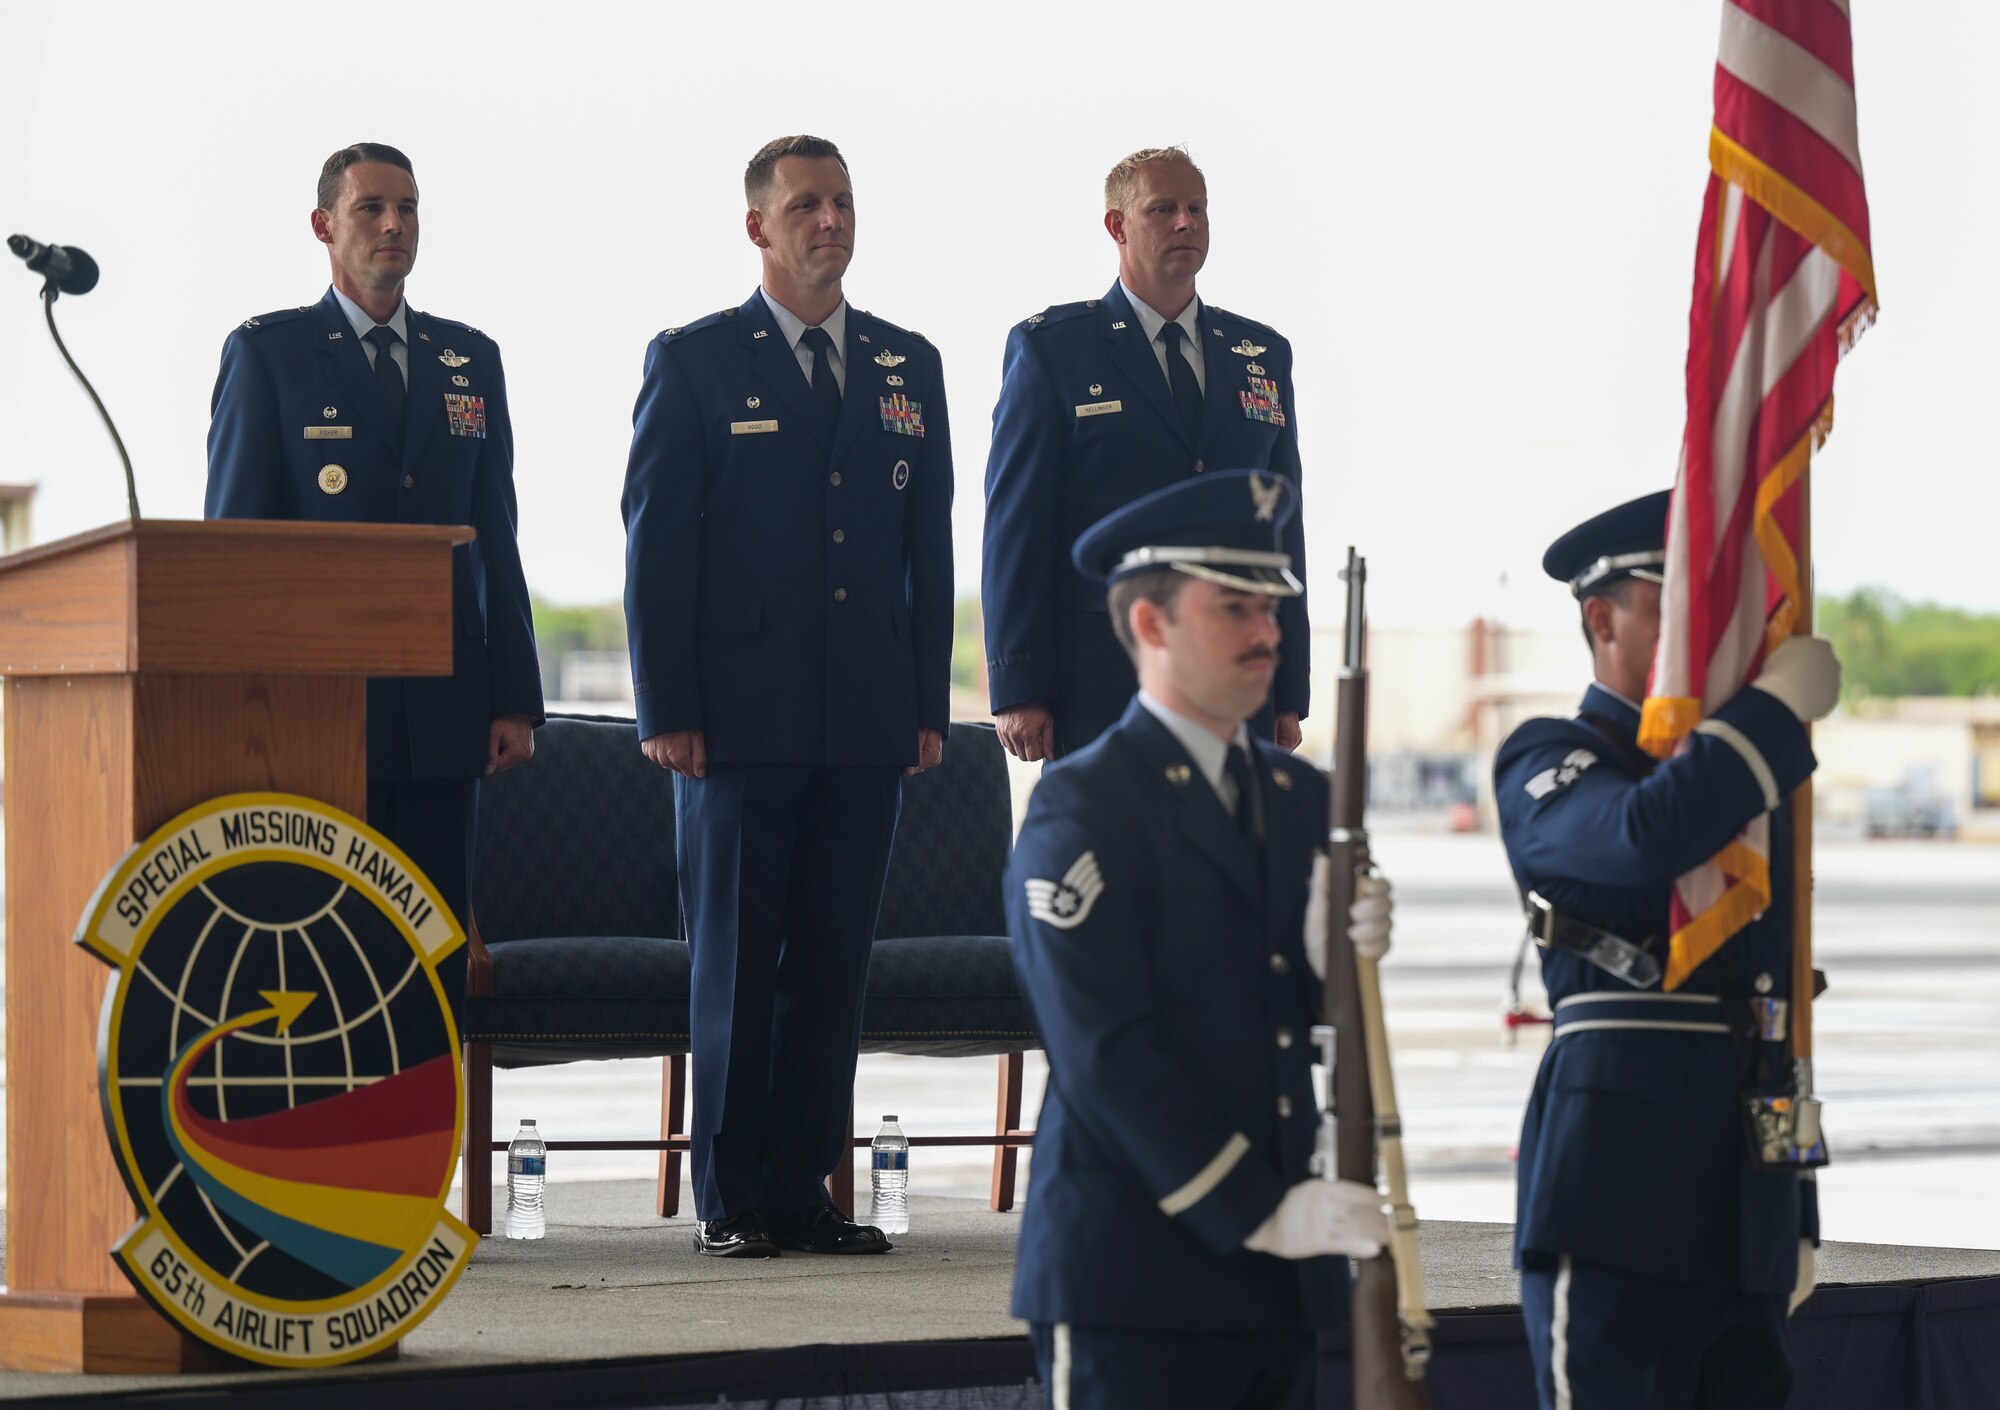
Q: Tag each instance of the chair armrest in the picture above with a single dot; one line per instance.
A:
(478, 962)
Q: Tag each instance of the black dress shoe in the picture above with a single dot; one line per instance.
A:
(746, 1235)
(823, 1229)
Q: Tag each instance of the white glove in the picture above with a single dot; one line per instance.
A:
(1315, 936)
(1808, 1275)
(1319, 1217)
(1370, 915)
(1805, 674)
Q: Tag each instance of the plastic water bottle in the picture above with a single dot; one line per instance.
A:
(889, 1177)
(527, 1169)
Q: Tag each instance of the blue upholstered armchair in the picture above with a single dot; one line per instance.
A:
(576, 949)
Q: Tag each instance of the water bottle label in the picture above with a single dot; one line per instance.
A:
(892, 1160)
(527, 1164)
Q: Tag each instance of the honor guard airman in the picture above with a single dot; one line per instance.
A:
(1177, 1251)
(1659, 1253)
(1102, 402)
(788, 595)
(360, 409)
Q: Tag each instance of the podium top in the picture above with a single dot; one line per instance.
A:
(233, 596)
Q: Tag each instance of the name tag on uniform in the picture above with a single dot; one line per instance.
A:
(752, 428)
(1100, 408)
(329, 433)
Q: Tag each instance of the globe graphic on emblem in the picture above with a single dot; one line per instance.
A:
(285, 1075)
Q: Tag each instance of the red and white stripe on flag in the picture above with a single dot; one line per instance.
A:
(1783, 286)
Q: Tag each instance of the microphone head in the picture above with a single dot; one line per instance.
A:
(21, 245)
(81, 276)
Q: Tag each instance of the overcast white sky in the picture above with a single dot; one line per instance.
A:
(1474, 220)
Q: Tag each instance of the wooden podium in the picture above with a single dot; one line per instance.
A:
(149, 667)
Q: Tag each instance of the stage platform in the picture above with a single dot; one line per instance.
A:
(615, 1309)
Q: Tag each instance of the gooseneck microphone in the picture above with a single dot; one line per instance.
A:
(68, 270)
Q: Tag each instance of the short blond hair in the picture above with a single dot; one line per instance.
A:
(1122, 185)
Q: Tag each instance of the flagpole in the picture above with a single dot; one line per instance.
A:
(1802, 816)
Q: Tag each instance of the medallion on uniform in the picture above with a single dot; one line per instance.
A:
(332, 478)
(466, 415)
(1263, 401)
(903, 416)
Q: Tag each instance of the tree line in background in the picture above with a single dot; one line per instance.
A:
(560, 630)
(1888, 647)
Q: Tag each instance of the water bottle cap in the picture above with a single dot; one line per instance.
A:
(890, 1120)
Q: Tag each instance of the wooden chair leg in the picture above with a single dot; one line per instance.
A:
(673, 1118)
(1006, 1159)
(841, 1183)
(476, 1196)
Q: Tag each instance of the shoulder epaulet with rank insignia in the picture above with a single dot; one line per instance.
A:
(1254, 323)
(712, 320)
(1058, 313)
(272, 320)
(464, 327)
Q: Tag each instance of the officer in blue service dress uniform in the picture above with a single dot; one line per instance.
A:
(1658, 1259)
(788, 594)
(1177, 1252)
(360, 409)
(1102, 402)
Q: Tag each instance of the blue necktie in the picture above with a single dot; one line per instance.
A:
(1180, 376)
(1249, 819)
(388, 377)
(825, 389)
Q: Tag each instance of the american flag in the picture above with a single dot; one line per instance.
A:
(1783, 285)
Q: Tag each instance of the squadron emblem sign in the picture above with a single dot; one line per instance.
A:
(280, 1079)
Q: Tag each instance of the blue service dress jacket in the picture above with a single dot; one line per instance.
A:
(1163, 954)
(1085, 425)
(789, 596)
(1634, 1152)
(297, 432)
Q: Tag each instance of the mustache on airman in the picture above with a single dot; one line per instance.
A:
(1260, 654)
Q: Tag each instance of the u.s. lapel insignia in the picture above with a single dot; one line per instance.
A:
(1265, 497)
(1179, 774)
(452, 359)
(333, 337)
(1255, 369)
(459, 379)
(332, 478)
(893, 380)
(864, 337)
(889, 359)
(1097, 389)
(900, 476)
(1066, 904)
(423, 337)
(753, 402)
(329, 412)
(760, 333)
(1282, 778)
(1247, 348)
(1118, 325)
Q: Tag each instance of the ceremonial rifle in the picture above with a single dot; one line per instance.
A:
(1391, 1325)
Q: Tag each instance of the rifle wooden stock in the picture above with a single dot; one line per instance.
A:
(1386, 1375)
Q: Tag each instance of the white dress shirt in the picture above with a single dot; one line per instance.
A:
(792, 327)
(1152, 320)
(1209, 752)
(363, 325)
